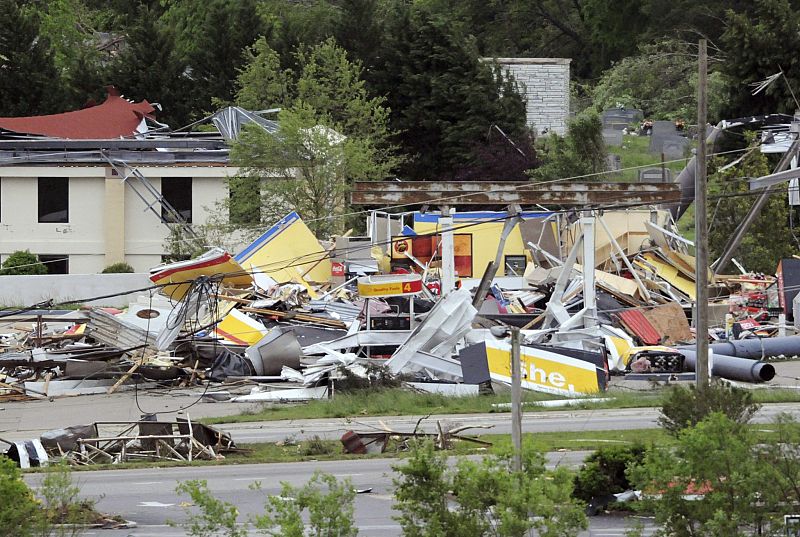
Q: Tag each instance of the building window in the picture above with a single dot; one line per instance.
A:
(515, 265)
(56, 264)
(244, 206)
(53, 200)
(177, 191)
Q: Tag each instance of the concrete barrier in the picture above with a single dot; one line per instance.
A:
(29, 290)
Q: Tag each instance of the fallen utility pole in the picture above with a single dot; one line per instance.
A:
(700, 223)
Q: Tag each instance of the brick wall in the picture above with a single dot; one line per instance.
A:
(544, 82)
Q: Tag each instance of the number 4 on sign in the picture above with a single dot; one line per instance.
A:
(407, 288)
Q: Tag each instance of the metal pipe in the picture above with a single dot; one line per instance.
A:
(732, 368)
(756, 348)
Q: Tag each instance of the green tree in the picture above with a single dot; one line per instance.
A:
(769, 238)
(581, 153)
(444, 100)
(759, 42)
(686, 407)
(332, 133)
(227, 29)
(715, 483)
(261, 82)
(604, 471)
(22, 263)
(150, 44)
(475, 499)
(30, 83)
(670, 95)
(309, 165)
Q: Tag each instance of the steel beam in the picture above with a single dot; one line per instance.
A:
(371, 193)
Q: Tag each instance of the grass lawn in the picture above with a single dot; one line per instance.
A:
(329, 450)
(634, 152)
(399, 402)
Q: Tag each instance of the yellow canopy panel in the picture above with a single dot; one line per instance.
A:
(286, 250)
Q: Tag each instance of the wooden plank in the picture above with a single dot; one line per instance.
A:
(124, 377)
(297, 316)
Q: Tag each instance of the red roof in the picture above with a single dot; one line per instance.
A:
(114, 118)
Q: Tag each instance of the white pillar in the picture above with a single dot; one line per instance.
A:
(589, 296)
(448, 252)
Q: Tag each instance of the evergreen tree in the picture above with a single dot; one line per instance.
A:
(29, 80)
(760, 43)
(261, 83)
(149, 68)
(444, 99)
(220, 42)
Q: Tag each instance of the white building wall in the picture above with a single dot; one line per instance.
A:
(545, 85)
(83, 237)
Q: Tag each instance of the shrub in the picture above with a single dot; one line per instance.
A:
(603, 472)
(315, 446)
(19, 510)
(489, 497)
(327, 502)
(118, 268)
(216, 517)
(63, 513)
(686, 407)
(23, 263)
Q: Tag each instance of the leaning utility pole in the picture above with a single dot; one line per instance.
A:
(700, 225)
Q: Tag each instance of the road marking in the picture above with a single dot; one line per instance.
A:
(147, 483)
(155, 504)
(346, 475)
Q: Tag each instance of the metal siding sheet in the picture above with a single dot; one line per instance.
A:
(638, 325)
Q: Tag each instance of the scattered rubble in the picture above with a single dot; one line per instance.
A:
(289, 317)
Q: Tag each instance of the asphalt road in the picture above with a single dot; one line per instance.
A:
(148, 497)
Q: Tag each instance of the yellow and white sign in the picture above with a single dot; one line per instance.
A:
(543, 371)
(390, 285)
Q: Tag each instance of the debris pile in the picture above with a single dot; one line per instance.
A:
(288, 317)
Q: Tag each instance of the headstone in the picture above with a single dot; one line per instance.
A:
(619, 118)
(666, 139)
(674, 148)
(613, 163)
(655, 175)
(612, 137)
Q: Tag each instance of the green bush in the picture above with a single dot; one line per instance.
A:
(118, 268)
(686, 407)
(22, 263)
(19, 511)
(481, 498)
(603, 472)
(327, 502)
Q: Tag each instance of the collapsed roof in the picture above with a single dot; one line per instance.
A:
(116, 117)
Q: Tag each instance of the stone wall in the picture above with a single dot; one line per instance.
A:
(545, 84)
